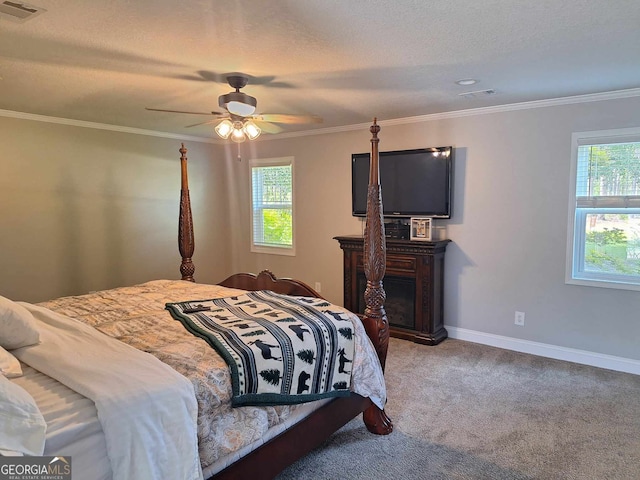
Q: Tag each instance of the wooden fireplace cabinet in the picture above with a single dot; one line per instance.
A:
(413, 283)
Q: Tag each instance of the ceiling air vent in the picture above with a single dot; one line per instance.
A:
(19, 12)
(478, 93)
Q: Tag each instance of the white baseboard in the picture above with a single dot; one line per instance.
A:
(584, 357)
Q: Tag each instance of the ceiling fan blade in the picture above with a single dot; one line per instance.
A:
(209, 76)
(284, 118)
(181, 111)
(209, 122)
(193, 78)
(215, 77)
(268, 81)
(268, 127)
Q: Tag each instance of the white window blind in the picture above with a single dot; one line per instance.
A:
(272, 206)
(608, 175)
(605, 210)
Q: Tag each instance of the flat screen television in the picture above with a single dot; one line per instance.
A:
(414, 182)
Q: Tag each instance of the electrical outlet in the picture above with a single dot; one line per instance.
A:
(318, 287)
(519, 320)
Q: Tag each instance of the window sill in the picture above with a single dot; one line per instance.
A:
(286, 251)
(618, 285)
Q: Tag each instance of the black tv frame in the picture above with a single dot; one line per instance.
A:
(399, 215)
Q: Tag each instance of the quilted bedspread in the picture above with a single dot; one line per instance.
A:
(136, 316)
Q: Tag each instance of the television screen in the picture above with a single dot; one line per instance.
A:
(414, 182)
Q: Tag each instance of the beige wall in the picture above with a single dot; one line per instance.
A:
(85, 209)
(508, 230)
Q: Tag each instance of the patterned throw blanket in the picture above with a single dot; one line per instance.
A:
(281, 349)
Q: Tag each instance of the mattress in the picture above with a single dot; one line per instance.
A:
(73, 428)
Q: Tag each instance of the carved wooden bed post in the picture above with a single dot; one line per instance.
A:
(185, 222)
(375, 318)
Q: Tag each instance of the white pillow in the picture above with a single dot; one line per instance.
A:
(17, 325)
(22, 426)
(9, 365)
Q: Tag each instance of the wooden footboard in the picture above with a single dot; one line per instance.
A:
(274, 456)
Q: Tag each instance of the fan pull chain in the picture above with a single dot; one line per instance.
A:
(239, 157)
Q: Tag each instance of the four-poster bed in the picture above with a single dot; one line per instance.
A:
(291, 432)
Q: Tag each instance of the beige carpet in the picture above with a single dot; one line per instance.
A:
(467, 411)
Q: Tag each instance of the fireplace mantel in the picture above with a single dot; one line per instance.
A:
(413, 282)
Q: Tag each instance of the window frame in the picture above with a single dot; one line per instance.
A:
(272, 249)
(576, 238)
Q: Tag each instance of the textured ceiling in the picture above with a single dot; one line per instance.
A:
(345, 61)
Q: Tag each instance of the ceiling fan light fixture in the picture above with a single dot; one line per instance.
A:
(237, 133)
(238, 103)
(237, 130)
(251, 129)
(224, 128)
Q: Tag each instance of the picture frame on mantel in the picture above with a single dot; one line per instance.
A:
(420, 229)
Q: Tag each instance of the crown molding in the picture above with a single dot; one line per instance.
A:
(101, 126)
(552, 102)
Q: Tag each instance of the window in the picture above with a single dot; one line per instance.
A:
(272, 206)
(603, 248)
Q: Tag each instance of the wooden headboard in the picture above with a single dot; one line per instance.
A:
(266, 280)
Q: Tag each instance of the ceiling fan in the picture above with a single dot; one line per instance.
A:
(239, 120)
